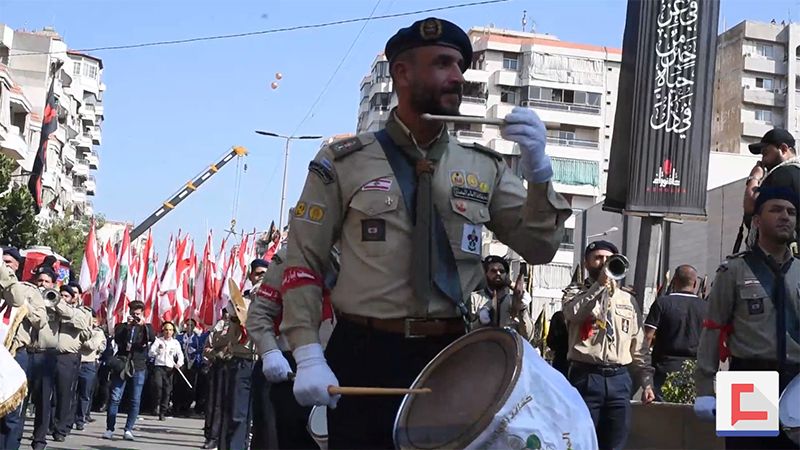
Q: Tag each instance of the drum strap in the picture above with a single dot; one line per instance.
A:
(444, 270)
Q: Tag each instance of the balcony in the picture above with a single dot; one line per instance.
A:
(505, 78)
(90, 184)
(764, 65)
(68, 154)
(469, 136)
(96, 135)
(82, 168)
(755, 129)
(556, 113)
(89, 208)
(99, 110)
(94, 160)
(87, 114)
(561, 106)
(13, 144)
(83, 142)
(579, 143)
(50, 179)
(473, 106)
(503, 146)
(78, 194)
(500, 110)
(763, 97)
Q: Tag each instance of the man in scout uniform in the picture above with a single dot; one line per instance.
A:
(753, 311)
(512, 306)
(606, 338)
(408, 204)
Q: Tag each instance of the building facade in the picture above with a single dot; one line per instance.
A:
(68, 182)
(573, 89)
(757, 84)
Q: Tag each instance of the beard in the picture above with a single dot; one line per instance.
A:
(427, 100)
(594, 274)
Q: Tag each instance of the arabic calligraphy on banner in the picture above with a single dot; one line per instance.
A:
(676, 59)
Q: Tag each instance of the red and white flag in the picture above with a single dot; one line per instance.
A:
(89, 267)
(124, 288)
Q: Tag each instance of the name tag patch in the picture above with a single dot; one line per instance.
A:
(474, 195)
(378, 184)
(322, 171)
(755, 306)
(373, 230)
(471, 239)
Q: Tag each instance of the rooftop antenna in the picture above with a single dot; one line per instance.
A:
(524, 19)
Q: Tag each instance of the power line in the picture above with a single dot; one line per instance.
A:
(269, 31)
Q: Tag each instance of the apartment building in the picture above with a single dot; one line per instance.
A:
(571, 86)
(757, 84)
(25, 58)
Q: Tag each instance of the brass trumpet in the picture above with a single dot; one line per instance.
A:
(617, 267)
(51, 298)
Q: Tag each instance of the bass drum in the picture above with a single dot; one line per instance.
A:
(491, 390)
(13, 384)
(789, 410)
(318, 426)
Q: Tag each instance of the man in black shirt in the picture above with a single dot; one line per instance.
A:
(675, 320)
(779, 167)
(133, 340)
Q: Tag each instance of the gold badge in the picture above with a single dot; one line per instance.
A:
(300, 209)
(430, 29)
(316, 213)
(472, 180)
(456, 178)
(484, 187)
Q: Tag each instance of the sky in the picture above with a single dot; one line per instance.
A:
(171, 111)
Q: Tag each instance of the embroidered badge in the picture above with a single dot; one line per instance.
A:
(430, 29)
(471, 239)
(373, 230)
(313, 213)
(316, 213)
(321, 171)
(461, 206)
(484, 187)
(751, 282)
(626, 325)
(472, 180)
(471, 194)
(378, 184)
(456, 178)
(300, 209)
(755, 306)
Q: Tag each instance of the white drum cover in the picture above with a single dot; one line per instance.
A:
(13, 384)
(789, 410)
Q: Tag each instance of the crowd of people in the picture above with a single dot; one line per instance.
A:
(382, 270)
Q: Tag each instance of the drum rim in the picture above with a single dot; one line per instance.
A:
(310, 415)
(795, 383)
(471, 433)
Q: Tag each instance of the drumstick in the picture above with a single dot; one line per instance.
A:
(339, 390)
(464, 119)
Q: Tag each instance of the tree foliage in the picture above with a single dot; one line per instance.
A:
(67, 237)
(18, 225)
(679, 386)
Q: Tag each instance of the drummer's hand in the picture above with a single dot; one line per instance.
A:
(648, 395)
(313, 377)
(275, 367)
(525, 128)
(705, 407)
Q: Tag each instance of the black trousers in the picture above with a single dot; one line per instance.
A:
(54, 377)
(607, 394)
(102, 391)
(263, 429)
(184, 395)
(162, 379)
(360, 356)
(237, 404)
(291, 419)
(201, 388)
(216, 376)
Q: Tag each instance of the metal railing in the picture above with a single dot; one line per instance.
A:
(561, 106)
(477, 100)
(581, 143)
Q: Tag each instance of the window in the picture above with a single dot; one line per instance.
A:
(90, 70)
(568, 239)
(380, 101)
(508, 95)
(764, 115)
(76, 68)
(381, 70)
(478, 61)
(765, 50)
(764, 83)
(510, 61)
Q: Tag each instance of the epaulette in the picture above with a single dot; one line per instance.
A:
(629, 290)
(724, 265)
(484, 150)
(738, 255)
(345, 147)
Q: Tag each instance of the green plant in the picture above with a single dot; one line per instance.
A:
(18, 225)
(679, 386)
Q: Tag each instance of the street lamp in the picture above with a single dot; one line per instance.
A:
(604, 233)
(285, 165)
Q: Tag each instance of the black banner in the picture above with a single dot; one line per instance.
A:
(49, 126)
(662, 128)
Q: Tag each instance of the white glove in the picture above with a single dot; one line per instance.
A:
(275, 367)
(705, 408)
(313, 377)
(525, 128)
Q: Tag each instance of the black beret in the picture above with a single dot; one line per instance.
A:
(601, 245)
(14, 253)
(492, 259)
(430, 31)
(775, 193)
(75, 285)
(258, 262)
(45, 270)
(68, 289)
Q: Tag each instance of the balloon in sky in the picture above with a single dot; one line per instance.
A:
(274, 85)
(278, 75)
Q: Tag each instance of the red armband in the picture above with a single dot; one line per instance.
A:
(295, 277)
(724, 332)
(270, 293)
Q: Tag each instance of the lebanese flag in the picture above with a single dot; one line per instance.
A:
(169, 284)
(89, 267)
(205, 284)
(220, 274)
(119, 303)
(182, 273)
(148, 276)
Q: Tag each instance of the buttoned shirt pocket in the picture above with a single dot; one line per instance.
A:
(465, 227)
(625, 317)
(374, 212)
(754, 303)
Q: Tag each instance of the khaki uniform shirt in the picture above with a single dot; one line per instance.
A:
(266, 306)
(628, 345)
(63, 328)
(522, 323)
(738, 298)
(93, 343)
(229, 342)
(19, 294)
(351, 195)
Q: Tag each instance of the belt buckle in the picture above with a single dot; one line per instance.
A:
(608, 371)
(407, 328)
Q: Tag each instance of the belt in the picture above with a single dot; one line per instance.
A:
(605, 370)
(408, 327)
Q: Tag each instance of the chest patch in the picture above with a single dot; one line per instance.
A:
(755, 306)
(626, 325)
(378, 184)
(373, 230)
(471, 239)
(474, 195)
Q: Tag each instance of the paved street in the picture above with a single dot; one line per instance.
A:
(174, 433)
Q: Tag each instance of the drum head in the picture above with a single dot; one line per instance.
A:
(318, 422)
(470, 381)
(789, 405)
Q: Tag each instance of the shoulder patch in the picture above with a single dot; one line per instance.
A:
(345, 147)
(322, 170)
(484, 150)
(722, 267)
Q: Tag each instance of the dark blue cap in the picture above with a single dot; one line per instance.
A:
(776, 193)
(14, 253)
(430, 31)
(601, 245)
(44, 270)
(494, 259)
(258, 262)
